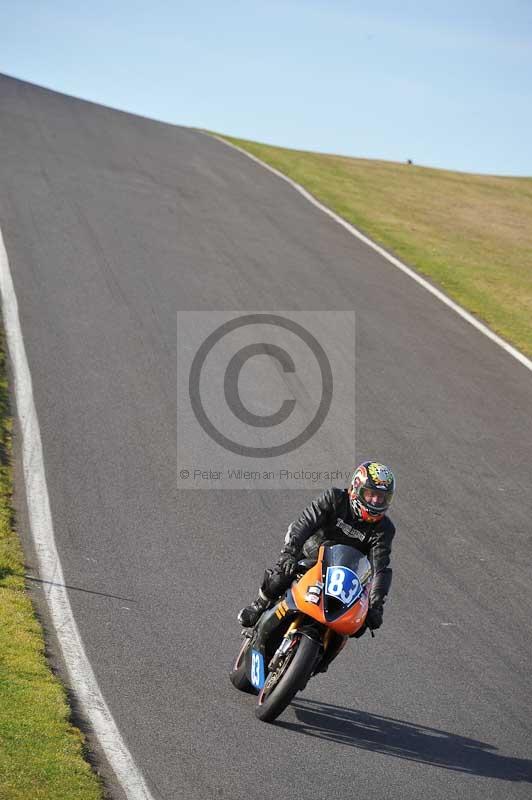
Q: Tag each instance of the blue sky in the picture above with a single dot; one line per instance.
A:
(445, 84)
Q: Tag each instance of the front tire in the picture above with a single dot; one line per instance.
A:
(281, 686)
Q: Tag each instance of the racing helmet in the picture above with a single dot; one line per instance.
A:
(371, 490)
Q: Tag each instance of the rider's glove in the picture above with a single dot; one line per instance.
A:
(287, 563)
(374, 618)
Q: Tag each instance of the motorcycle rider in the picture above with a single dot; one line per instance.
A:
(356, 516)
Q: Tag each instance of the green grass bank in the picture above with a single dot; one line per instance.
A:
(470, 234)
(41, 753)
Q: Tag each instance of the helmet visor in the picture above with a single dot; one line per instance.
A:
(376, 499)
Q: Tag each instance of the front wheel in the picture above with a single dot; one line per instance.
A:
(282, 685)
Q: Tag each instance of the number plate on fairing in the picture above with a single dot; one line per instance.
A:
(257, 669)
(343, 584)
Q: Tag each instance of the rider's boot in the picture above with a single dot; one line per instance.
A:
(250, 615)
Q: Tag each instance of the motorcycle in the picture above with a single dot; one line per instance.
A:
(297, 638)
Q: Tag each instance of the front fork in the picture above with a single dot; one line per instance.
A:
(287, 642)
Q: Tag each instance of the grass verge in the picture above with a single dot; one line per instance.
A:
(469, 234)
(41, 753)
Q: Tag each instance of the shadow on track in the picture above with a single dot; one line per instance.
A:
(394, 737)
(75, 588)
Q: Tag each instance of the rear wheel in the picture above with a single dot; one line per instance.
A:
(238, 675)
(292, 675)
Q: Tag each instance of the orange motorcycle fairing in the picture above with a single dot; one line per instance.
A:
(348, 623)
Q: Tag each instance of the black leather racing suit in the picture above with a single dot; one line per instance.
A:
(330, 518)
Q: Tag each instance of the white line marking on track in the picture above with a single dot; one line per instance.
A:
(82, 677)
(395, 261)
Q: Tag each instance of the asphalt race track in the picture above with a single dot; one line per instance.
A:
(113, 223)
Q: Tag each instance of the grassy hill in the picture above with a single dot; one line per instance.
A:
(470, 234)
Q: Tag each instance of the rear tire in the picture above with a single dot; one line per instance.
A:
(238, 675)
(273, 702)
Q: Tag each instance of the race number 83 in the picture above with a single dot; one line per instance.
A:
(343, 584)
(257, 669)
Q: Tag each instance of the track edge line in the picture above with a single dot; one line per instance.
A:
(81, 674)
